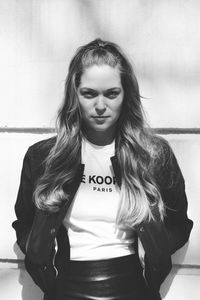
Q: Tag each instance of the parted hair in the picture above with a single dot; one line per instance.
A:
(137, 148)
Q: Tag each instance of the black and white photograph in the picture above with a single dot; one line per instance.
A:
(100, 143)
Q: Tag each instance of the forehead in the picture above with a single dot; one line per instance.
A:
(101, 77)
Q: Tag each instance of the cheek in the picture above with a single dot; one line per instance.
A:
(119, 107)
(84, 108)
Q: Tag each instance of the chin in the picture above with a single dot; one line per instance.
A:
(101, 129)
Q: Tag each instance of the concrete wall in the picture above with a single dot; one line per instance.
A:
(37, 40)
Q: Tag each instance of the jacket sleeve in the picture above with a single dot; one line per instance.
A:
(177, 223)
(24, 207)
(43, 276)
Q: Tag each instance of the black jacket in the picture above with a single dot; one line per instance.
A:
(37, 230)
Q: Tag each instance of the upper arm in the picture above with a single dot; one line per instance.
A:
(24, 207)
(173, 193)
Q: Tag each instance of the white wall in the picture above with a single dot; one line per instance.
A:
(39, 37)
(37, 40)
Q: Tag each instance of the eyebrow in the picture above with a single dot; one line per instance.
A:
(86, 89)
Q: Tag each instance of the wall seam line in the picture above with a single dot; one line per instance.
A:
(48, 130)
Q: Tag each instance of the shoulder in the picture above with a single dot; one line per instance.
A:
(36, 155)
(161, 151)
(41, 149)
(164, 163)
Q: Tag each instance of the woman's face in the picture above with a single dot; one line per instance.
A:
(100, 96)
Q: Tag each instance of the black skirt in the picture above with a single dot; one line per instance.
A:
(109, 279)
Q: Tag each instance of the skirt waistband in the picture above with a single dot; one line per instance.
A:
(115, 278)
(106, 268)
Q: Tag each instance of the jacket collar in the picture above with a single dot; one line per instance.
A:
(116, 169)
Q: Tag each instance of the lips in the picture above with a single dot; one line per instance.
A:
(100, 117)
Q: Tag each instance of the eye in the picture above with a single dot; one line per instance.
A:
(88, 94)
(112, 95)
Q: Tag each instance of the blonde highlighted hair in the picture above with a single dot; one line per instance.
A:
(137, 149)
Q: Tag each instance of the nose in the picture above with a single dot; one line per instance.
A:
(100, 106)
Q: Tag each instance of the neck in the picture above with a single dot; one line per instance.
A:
(100, 138)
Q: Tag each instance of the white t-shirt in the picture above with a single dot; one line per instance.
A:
(90, 220)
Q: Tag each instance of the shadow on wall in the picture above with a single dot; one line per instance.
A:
(168, 282)
(29, 289)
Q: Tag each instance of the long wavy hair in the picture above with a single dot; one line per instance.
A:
(140, 199)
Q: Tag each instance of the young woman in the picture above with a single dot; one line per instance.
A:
(101, 206)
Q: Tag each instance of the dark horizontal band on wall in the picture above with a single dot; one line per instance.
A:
(46, 130)
(184, 266)
(11, 260)
(177, 130)
(34, 130)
